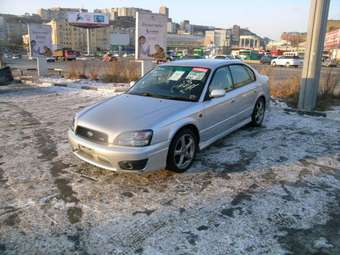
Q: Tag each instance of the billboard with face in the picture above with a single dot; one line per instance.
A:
(87, 19)
(40, 42)
(151, 36)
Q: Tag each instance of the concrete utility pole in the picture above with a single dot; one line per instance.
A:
(309, 85)
(88, 39)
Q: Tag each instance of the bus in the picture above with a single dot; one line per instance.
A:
(198, 52)
(249, 55)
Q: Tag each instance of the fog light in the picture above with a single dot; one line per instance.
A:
(133, 164)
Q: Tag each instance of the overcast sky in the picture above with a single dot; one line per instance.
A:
(265, 17)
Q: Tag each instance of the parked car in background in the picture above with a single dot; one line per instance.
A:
(327, 62)
(169, 114)
(65, 54)
(16, 56)
(50, 59)
(287, 61)
(266, 59)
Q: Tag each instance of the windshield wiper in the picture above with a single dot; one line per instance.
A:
(148, 94)
(145, 94)
(178, 98)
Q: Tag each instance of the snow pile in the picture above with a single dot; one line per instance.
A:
(83, 84)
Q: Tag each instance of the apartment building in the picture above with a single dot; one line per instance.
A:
(234, 37)
(164, 11)
(122, 12)
(66, 36)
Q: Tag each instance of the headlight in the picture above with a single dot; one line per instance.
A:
(134, 138)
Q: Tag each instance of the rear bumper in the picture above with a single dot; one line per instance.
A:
(108, 157)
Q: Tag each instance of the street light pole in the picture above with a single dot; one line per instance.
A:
(309, 85)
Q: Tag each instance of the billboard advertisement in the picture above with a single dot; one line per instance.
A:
(88, 19)
(40, 41)
(151, 36)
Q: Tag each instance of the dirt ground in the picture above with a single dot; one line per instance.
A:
(268, 190)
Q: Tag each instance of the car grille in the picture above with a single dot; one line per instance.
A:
(92, 135)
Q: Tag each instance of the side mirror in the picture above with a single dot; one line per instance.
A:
(217, 93)
(132, 83)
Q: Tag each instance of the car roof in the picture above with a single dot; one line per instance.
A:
(207, 63)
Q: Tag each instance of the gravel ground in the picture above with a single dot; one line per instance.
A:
(268, 190)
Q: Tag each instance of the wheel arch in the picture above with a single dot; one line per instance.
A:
(263, 97)
(191, 126)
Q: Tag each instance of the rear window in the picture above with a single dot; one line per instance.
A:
(241, 75)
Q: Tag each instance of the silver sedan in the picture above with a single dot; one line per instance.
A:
(169, 114)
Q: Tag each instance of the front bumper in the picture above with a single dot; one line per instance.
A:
(108, 157)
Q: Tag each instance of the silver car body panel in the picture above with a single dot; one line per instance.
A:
(212, 118)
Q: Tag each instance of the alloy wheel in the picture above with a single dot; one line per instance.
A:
(184, 151)
(259, 111)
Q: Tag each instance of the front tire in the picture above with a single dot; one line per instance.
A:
(274, 64)
(182, 151)
(258, 112)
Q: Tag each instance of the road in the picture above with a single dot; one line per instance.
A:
(282, 72)
(268, 190)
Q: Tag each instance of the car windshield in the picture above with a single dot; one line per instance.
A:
(172, 82)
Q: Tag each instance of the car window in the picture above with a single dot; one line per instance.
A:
(221, 80)
(251, 73)
(241, 75)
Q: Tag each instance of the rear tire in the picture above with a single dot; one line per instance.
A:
(182, 151)
(258, 112)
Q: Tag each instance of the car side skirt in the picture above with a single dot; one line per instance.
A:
(205, 144)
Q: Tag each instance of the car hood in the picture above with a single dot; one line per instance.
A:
(129, 112)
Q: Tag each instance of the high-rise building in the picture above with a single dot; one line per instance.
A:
(234, 37)
(164, 10)
(185, 27)
(217, 37)
(172, 27)
(122, 11)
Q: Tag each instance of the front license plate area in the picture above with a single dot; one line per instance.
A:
(86, 150)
